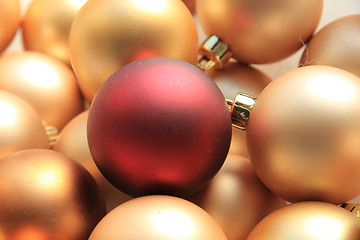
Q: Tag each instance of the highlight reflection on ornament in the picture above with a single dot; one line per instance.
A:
(236, 198)
(159, 126)
(303, 135)
(46, 83)
(337, 44)
(165, 217)
(258, 31)
(20, 126)
(45, 194)
(308, 220)
(72, 141)
(46, 27)
(129, 30)
(9, 21)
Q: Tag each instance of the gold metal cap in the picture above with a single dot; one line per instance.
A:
(240, 109)
(353, 208)
(52, 133)
(213, 53)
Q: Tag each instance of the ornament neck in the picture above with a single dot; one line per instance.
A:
(213, 53)
(240, 109)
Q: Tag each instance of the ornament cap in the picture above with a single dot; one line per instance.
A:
(353, 208)
(213, 53)
(53, 134)
(240, 109)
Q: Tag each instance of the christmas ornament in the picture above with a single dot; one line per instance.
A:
(337, 44)
(159, 126)
(255, 31)
(46, 26)
(236, 198)
(303, 134)
(308, 220)
(111, 33)
(20, 126)
(159, 217)
(234, 78)
(72, 141)
(46, 195)
(9, 21)
(46, 83)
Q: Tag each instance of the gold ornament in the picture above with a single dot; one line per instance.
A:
(46, 27)
(159, 217)
(46, 195)
(72, 141)
(337, 44)
(20, 126)
(46, 83)
(9, 21)
(236, 198)
(303, 135)
(310, 221)
(234, 78)
(260, 31)
(108, 34)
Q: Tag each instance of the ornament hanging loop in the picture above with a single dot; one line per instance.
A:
(240, 109)
(213, 53)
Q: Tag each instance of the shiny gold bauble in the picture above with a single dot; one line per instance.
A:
(46, 195)
(46, 83)
(303, 135)
(20, 126)
(234, 78)
(259, 31)
(337, 44)
(236, 198)
(157, 217)
(72, 141)
(9, 21)
(46, 26)
(108, 34)
(310, 221)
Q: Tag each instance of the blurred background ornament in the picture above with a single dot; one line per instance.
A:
(260, 31)
(108, 34)
(46, 195)
(236, 198)
(9, 21)
(308, 220)
(337, 44)
(47, 84)
(159, 216)
(20, 126)
(303, 135)
(72, 141)
(159, 126)
(237, 77)
(46, 27)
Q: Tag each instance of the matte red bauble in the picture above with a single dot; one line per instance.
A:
(159, 126)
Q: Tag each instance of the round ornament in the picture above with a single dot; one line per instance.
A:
(20, 126)
(111, 33)
(160, 217)
(9, 21)
(236, 198)
(72, 141)
(308, 220)
(258, 31)
(46, 195)
(159, 126)
(231, 79)
(46, 83)
(303, 135)
(46, 26)
(337, 44)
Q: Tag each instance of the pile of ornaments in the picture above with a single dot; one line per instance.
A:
(117, 121)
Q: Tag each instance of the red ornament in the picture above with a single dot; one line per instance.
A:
(159, 126)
